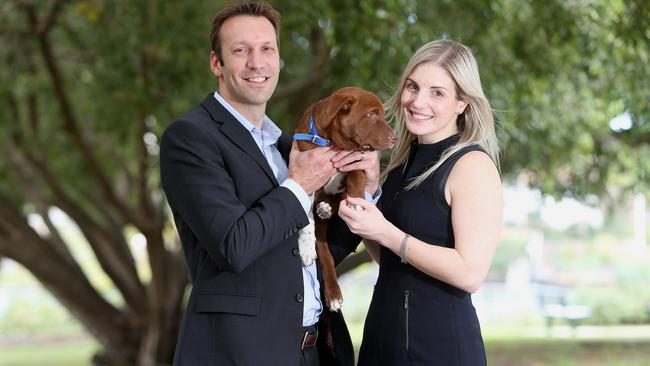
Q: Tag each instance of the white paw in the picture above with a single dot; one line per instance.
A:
(324, 210)
(307, 244)
(336, 305)
(308, 256)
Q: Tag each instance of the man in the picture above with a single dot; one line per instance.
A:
(238, 208)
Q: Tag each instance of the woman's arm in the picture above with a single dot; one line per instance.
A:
(474, 192)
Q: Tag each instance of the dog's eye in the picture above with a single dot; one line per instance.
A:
(372, 115)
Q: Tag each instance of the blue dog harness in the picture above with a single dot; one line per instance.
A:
(312, 135)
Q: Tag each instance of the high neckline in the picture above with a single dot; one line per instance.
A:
(436, 148)
(423, 156)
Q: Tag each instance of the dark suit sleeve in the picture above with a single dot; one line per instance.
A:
(200, 190)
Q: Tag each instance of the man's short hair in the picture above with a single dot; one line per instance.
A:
(256, 8)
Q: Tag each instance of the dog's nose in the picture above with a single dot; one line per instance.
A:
(392, 138)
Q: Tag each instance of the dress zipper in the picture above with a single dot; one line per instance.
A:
(406, 307)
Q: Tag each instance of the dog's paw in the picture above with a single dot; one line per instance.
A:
(324, 210)
(336, 305)
(308, 256)
(307, 245)
(355, 207)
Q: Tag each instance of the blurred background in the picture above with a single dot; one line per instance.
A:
(91, 271)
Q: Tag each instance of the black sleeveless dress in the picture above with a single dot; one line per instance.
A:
(413, 318)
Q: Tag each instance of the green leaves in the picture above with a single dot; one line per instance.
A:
(556, 72)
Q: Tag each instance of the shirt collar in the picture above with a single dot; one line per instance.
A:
(269, 128)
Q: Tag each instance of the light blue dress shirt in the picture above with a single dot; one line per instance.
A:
(266, 139)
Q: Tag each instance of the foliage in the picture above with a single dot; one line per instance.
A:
(88, 86)
(510, 248)
(623, 304)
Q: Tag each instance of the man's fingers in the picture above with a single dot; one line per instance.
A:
(351, 167)
(355, 160)
(341, 154)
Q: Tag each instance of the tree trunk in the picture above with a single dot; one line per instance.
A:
(128, 336)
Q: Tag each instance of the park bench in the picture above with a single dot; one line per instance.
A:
(554, 305)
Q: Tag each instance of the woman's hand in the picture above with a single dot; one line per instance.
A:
(368, 161)
(369, 222)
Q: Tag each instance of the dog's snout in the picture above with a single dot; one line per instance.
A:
(392, 138)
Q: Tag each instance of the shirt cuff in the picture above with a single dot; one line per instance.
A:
(300, 194)
(374, 199)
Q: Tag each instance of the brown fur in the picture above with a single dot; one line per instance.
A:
(345, 118)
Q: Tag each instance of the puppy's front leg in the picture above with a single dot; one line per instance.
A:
(307, 242)
(356, 184)
(333, 295)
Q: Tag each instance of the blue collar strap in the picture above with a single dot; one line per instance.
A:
(312, 135)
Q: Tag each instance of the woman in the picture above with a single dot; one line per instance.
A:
(436, 226)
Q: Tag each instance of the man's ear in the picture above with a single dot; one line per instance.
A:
(215, 66)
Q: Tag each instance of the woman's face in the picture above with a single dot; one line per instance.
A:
(430, 104)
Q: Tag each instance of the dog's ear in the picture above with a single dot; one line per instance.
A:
(327, 109)
(303, 122)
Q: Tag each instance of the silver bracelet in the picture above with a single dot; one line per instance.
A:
(402, 248)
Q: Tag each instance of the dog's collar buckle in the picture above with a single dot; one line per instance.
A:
(312, 136)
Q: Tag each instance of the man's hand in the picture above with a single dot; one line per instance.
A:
(368, 161)
(311, 169)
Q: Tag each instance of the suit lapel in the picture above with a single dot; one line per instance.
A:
(237, 133)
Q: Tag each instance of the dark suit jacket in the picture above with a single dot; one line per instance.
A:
(238, 230)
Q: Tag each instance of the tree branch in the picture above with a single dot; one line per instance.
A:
(49, 21)
(13, 106)
(70, 286)
(70, 125)
(33, 194)
(5, 31)
(352, 262)
(109, 247)
(112, 252)
(145, 204)
(8, 7)
(143, 166)
(318, 71)
(634, 137)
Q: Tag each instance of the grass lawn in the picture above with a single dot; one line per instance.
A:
(596, 346)
(69, 353)
(562, 352)
(563, 346)
(587, 346)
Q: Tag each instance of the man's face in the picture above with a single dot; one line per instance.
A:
(251, 61)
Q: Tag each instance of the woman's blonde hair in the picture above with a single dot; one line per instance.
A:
(475, 124)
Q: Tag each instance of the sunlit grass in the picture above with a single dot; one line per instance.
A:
(76, 353)
(527, 346)
(560, 346)
(567, 352)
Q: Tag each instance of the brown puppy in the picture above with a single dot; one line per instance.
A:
(349, 119)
